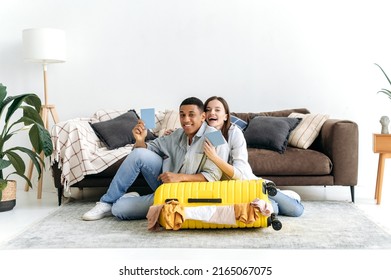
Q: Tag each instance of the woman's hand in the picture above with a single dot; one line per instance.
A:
(168, 132)
(210, 150)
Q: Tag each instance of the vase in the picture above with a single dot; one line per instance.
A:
(8, 199)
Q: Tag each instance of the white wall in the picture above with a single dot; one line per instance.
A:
(260, 55)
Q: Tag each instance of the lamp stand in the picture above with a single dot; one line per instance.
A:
(46, 110)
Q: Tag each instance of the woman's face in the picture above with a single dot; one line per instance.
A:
(215, 114)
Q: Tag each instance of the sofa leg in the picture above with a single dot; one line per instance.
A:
(352, 193)
(59, 195)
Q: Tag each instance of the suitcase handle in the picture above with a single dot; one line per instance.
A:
(170, 199)
(203, 200)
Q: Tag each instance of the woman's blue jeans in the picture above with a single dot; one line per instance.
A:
(286, 205)
(131, 208)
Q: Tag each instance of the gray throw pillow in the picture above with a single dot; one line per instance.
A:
(270, 133)
(117, 132)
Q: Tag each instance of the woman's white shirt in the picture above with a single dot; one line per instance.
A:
(238, 155)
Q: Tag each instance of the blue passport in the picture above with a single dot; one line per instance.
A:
(148, 116)
(215, 137)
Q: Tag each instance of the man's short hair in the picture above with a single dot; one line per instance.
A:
(193, 101)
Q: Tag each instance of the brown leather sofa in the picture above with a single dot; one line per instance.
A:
(332, 160)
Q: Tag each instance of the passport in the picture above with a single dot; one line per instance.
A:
(215, 137)
(148, 116)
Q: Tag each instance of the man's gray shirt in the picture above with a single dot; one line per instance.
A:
(179, 157)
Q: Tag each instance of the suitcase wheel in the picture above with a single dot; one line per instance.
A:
(274, 222)
(276, 225)
(271, 188)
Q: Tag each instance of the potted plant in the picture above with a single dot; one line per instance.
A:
(20, 113)
(383, 90)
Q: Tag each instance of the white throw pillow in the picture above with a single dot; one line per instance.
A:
(108, 114)
(159, 117)
(170, 121)
(307, 130)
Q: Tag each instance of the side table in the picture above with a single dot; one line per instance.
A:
(381, 145)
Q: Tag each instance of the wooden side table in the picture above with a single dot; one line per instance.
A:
(381, 145)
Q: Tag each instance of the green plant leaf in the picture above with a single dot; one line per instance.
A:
(31, 116)
(16, 161)
(34, 157)
(17, 102)
(3, 92)
(33, 100)
(389, 81)
(41, 140)
(385, 91)
(27, 180)
(4, 163)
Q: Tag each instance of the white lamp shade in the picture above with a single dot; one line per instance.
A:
(44, 45)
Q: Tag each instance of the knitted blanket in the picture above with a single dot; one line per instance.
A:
(79, 151)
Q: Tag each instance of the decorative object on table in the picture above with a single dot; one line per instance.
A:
(384, 121)
(29, 105)
(44, 46)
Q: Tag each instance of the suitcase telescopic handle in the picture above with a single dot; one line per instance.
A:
(204, 200)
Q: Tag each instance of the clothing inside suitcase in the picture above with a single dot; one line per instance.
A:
(214, 205)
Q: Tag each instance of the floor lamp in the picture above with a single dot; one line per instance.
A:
(44, 46)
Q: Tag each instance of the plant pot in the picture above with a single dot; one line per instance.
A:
(8, 199)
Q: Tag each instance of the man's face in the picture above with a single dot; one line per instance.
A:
(191, 119)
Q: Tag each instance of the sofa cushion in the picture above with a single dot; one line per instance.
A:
(107, 114)
(239, 122)
(294, 161)
(117, 132)
(307, 130)
(282, 113)
(170, 121)
(269, 132)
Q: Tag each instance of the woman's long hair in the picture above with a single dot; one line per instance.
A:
(227, 123)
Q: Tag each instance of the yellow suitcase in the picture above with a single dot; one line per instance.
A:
(218, 193)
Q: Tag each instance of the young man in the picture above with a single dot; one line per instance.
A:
(178, 157)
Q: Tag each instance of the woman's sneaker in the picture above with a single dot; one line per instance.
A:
(131, 194)
(100, 211)
(292, 194)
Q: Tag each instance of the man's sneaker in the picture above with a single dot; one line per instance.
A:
(100, 211)
(292, 194)
(131, 194)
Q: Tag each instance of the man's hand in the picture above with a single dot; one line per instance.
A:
(169, 177)
(139, 133)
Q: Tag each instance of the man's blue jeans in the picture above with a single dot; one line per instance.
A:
(130, 208)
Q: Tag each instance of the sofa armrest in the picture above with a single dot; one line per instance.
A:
(339, 141)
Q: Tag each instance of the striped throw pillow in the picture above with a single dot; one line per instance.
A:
(307, 130)
(171, 121)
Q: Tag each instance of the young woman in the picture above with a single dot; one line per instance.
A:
(217, 111)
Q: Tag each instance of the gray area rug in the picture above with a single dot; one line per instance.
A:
(324, 225)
